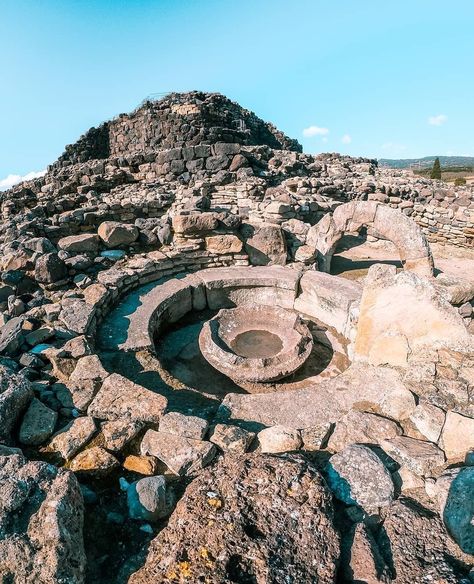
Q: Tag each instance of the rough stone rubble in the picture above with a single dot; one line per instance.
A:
(221, 209)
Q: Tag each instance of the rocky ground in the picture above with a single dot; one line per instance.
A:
(124, 457)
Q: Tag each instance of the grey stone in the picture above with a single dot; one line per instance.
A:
(15, 395)
(458, 512)
(41, 517)
(187, 426)
(50, 268)
(114, 234)
(120, 398)
(279, 439)
(183, 456)
(150, 499)
(265, 244)
(418, 455)
(231, 438)
(315, 438)
(362, 427)
(357, 476)
(118, 433)
(70, 439)
(38, 423)
(79, 243)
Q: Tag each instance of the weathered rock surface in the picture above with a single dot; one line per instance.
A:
(79, 243)
(416, 546)
(358, 477)
(120, 398)
(187, 426)
(458, 511)
(362, 427)
(15, 395)
(41, 516)
(279, 439)
(231, 438)
(418, 455)
(362, 560)
(70, 439)
(150, 499)
(183, 456)
(249, 519)
(428, 420)
(38, 423)
(316, 437)
(50, 268)
(264, 244)
(95, 461)
(457, 436)
(401, 314)
(117, 433)
(114, 234)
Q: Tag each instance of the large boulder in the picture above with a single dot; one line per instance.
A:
(115, 234)
(12, 336)
(400, 315)
(15, 395)
(457, 436)
(357, 476)
(414, 543)
(50, 268)
(41, 517)
(265, 244)
(249, 519)
(79, 243)
(194, 223)
(458, 512)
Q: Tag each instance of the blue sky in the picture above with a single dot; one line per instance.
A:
(369, 78)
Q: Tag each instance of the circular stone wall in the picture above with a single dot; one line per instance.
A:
(256, 343)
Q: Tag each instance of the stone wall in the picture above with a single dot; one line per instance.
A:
(178, 120)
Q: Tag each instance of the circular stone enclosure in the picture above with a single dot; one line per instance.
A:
(256, 343)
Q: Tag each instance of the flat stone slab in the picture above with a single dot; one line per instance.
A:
(328, 298)
(119, 398)
(183, 456)
(357, 476)
(250, 276)
(419, 456)
(325, 402)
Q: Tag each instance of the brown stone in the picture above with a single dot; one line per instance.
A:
(144, 465)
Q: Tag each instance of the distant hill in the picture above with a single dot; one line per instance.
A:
(427, 162)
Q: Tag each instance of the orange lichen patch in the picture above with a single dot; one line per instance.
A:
(214, 502)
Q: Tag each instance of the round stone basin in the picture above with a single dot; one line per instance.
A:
(255, 343)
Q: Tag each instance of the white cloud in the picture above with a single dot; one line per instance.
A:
(346, 139)
(13, 179)
(315, 131)
(438, 120)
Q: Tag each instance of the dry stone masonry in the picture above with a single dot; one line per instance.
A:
(187, 394)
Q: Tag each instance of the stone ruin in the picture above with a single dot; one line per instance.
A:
(187, 394)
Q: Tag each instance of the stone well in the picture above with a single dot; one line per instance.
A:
(256, 343)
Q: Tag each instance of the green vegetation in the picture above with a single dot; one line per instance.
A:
(452, 174)
(436, 170)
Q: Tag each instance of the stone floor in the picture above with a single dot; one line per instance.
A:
(354, 256)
